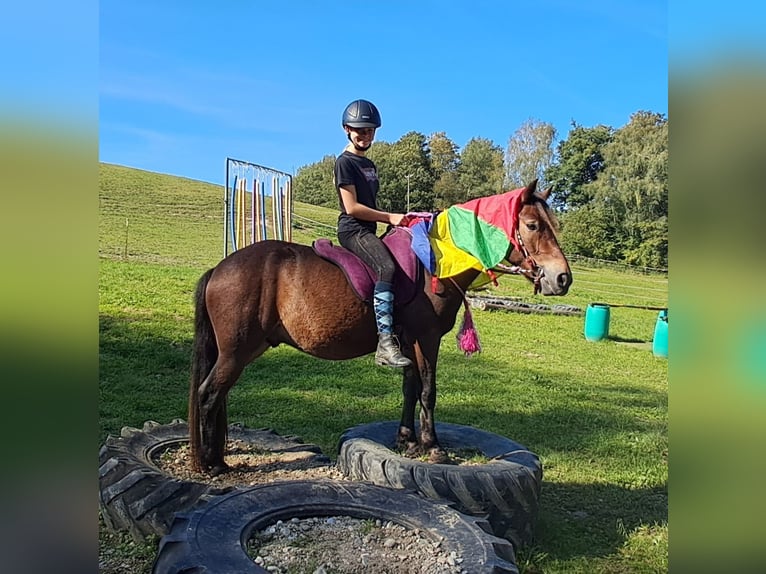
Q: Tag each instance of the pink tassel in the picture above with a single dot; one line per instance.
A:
(467, 336)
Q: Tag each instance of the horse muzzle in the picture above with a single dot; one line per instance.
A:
(554, 283)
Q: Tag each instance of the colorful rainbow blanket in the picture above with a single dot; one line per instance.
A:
(472, 235)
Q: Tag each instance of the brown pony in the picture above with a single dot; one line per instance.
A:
(274, 292)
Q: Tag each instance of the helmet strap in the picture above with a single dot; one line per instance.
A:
(356, 147)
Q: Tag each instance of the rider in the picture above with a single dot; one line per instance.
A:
(356, 180)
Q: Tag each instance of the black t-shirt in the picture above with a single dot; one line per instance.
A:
(359, 171)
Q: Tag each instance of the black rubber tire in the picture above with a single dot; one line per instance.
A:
(505, 490)
(212, 539)
(136, 496)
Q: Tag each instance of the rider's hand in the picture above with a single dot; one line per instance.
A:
(398, 219)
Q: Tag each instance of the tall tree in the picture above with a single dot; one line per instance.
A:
(313, 183)
(444, 153)
(529, 153)
(445, 160)
(632, 189)
(409, 156)
(580, 159)
(591, 231)
(379, 153)
(480, 172)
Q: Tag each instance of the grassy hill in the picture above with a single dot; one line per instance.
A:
(156, 218)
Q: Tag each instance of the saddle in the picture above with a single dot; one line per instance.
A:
(362, 278)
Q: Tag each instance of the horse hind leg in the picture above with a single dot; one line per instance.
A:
(213, 418)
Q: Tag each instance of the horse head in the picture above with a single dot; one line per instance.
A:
(537, 251)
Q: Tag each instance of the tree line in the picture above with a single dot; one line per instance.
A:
(610, 186)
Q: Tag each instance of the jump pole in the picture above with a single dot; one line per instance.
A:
(240, 242)
(231, 215)
(257, 210)
(289, 208)
(647, 307)
(274, 227)
(253, 235)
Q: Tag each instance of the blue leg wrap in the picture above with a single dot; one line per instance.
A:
(383, 303)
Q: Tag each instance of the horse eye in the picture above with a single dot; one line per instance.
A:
(532, 226)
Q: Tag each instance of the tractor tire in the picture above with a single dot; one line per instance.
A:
(212, 539)
(136, 496)
(504, 490)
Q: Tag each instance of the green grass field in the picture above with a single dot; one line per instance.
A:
(595, 413)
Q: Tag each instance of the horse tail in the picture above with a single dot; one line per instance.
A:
(204, 356)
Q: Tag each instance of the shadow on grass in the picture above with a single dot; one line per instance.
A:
(591, 520)
(618, 339)
(144, 376)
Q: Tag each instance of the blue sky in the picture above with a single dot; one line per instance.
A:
(184, 85)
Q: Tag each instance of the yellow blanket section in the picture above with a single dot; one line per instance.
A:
(451, 260)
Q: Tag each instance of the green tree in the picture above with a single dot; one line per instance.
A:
(590, 231)
(448, 190)
(445, 160)
(409, 156)
(379, 153)
(443, 153)
(529, 153)
(313, 183)
(632, 189)
(580, 159)
(480, 172)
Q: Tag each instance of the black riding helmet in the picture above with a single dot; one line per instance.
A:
(361, 114)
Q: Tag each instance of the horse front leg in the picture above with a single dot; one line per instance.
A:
(411, 387)
(429, 443)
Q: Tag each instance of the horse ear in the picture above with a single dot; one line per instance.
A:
(545, 194)
(526, 195)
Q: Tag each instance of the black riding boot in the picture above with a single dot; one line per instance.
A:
(387, 354)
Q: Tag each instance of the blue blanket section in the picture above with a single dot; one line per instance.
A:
(420, 243)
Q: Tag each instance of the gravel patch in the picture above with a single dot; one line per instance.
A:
(318, 545)
(345, 545)
(250, 466)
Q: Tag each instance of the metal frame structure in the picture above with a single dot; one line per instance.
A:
(245, 180)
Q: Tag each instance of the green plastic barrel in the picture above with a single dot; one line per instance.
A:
(660, 342)
(596, 322)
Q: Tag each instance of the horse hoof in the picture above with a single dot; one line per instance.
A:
(218, 469)
(413, 450)
(438, 456)
(405, 437)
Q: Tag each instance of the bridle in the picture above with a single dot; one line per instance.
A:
(531, 271)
